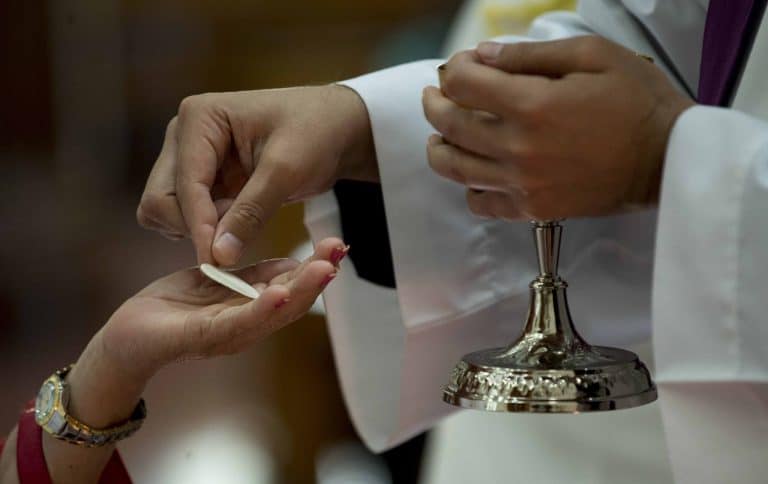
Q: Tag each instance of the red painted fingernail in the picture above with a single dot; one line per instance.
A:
(282, 303)
(338, 253)
(327, 280)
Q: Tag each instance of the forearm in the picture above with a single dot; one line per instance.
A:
(101, 396)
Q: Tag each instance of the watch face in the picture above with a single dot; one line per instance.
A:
(44, 402)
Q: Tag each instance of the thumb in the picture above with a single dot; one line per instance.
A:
(554, 58)
(263, 194)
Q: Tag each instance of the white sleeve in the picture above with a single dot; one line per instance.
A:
(709, 296)
(462, 282)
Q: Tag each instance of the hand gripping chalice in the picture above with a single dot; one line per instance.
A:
(549, 368)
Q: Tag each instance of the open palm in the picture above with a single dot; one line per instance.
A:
(186, 315)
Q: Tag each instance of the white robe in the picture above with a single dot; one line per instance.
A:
(694, 275)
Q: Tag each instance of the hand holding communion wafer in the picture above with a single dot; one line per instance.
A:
(231, 160)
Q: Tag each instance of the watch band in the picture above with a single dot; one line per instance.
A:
(52, 416)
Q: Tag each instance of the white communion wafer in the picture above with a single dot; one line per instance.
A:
(229, 280)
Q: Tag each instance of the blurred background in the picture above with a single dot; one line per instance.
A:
(87, 89)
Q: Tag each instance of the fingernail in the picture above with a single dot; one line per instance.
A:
(282, 303)
(442, 67)
(489, 51)
(228, 248)
(327, 280)
(338, 253)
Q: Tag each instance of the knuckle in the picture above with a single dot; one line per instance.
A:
(274, 160)
(188, 105)
(150, 208)
(519, 149)
(141, 216)
(534, 108)
(455, 81)
(170, 129)
(193, 104)
(590, 46)
(249, 214)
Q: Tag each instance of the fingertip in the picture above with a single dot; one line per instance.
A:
(204, 257)
(338, 254)
(227, 249)
(203, 238)
(329, 248)
(434, 140)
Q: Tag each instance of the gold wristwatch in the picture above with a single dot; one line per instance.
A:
(51, 414)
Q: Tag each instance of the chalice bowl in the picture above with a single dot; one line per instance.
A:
(549, 368)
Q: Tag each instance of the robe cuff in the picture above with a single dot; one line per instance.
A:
(711, 250)
(433, 235)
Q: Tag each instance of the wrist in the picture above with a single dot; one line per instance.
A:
(647, 186)
(103, 393)
(357, 161)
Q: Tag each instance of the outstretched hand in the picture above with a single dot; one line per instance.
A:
(186, 315)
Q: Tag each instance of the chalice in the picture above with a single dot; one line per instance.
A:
(549, 368)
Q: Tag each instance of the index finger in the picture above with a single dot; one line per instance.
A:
(203, 141)
(551, 58)
(472, 84)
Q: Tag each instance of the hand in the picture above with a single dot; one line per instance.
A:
(178, 317)
(548, 130)
(184, 316)
(230, 160)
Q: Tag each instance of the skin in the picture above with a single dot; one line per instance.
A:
(179, 317)
(540, 130)
(549, 130)
(230, 160)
